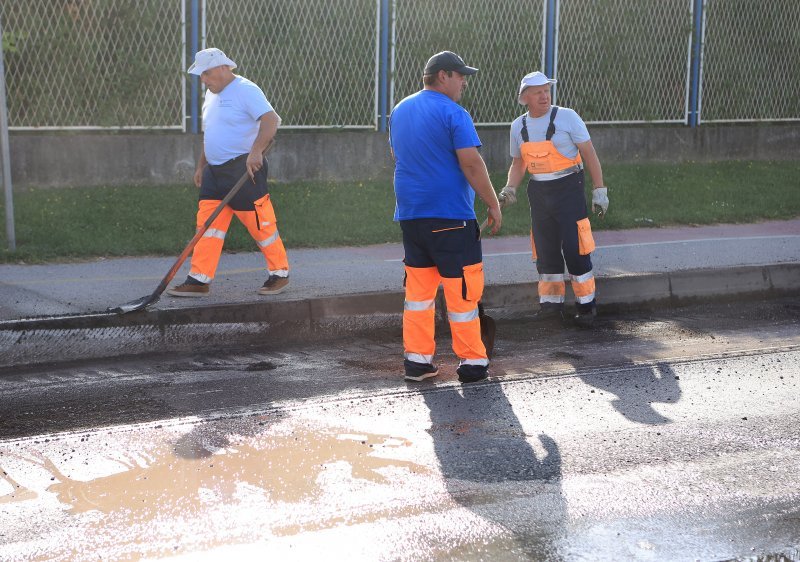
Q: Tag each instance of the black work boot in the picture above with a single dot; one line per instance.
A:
(472, 373)
(584, 317)
(549, 313)
(419, 371)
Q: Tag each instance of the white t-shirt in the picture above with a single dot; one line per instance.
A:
(570, 130)
(230, 120)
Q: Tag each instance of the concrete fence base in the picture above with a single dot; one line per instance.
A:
(123, 158)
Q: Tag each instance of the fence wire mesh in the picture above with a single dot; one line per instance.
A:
(751, 60)
(502, 38)
(93, 63)
(624, 60)
(315, 59)
(120, 63)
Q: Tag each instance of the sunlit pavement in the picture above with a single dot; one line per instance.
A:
(672, 436)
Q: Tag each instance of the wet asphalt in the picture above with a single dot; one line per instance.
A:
(663, 435)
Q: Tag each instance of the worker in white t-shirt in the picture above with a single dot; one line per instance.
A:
(238, 125)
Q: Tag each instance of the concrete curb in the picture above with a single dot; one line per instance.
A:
(45, 340)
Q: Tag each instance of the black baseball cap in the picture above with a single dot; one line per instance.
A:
(448, 60)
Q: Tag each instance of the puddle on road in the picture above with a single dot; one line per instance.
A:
(286, 468)
(184, 484)
(18, 493)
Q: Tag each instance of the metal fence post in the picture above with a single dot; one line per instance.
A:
(392, 52)
(194, 47)
(384, 65)
(695, 83)
(6, 163)
(551, 40)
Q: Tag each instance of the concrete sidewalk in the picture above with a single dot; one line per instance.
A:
(94, 286)
(633, 267)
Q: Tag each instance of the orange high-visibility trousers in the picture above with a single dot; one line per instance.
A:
(461, 295)
(260, 223)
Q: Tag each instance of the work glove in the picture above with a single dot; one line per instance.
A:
(600, 201)
(509, 194)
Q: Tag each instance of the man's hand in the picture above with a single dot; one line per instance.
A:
(198, 177)
(509, 194)
(495, 218)
(600, 201)
(255, 161)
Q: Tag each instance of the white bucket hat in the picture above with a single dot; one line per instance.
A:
(209, 58)
(533, 79)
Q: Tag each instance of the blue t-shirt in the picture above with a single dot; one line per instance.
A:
(426, 129)
(230, 120)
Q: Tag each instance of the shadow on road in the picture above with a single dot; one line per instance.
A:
(638, 390)
(497, 470)
(615, 357)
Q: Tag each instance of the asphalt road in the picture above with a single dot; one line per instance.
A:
(673, 435)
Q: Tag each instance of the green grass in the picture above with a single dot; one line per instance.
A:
(81, 223)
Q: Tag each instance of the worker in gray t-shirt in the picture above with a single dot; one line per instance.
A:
(552, 144)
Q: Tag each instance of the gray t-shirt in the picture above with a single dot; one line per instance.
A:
(570, 130)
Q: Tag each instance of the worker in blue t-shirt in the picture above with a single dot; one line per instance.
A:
(438, 171)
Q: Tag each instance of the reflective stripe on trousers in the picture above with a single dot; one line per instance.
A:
(481, 362)
(418, 305)
(551, 288)
(271, 240)
(583, 287)
(214, 233)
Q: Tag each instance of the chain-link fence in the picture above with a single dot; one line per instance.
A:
(751, 60)
(502, 38)
(94, 63)
(623, 61)
(315, 60)
(121, 63)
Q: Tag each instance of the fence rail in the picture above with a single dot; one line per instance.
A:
(116, 64)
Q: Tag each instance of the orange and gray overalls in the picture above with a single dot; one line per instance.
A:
(560, 230)
(251, 205)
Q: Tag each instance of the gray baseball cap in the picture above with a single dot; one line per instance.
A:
(448, 60)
